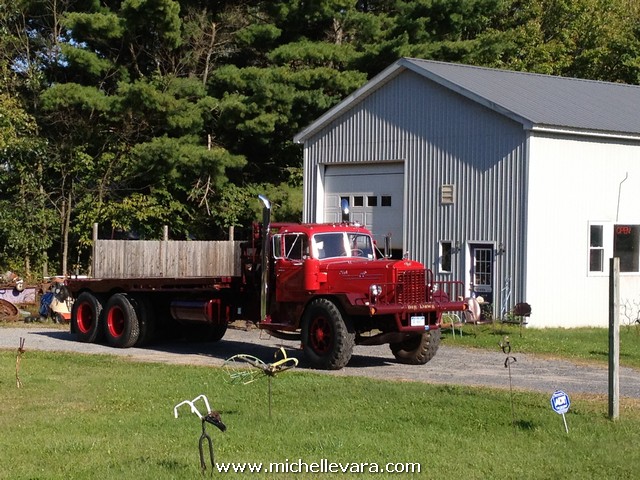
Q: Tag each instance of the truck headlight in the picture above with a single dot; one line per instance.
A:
(375, 291)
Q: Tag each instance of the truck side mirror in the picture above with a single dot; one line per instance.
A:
(276, 247)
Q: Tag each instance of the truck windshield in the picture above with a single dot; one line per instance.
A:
(342, 244)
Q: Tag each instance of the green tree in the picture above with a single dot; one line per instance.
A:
(594, 39)
(23, 220)
(128, 121)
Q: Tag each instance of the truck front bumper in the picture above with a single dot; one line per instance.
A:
(417, 317)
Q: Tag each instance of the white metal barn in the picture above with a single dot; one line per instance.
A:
(520, 185)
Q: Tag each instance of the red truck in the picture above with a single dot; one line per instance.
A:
(326, 285)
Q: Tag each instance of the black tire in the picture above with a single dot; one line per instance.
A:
(146, 319)
(121, 325)
(327, 340)
(417, 349)
(86, 318)
(217, 332)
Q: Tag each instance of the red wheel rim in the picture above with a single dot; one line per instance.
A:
(320, 335)
(84, 317)
(115, 321)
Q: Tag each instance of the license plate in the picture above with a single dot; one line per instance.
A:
(417, 321)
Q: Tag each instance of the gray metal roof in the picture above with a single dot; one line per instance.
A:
(537, 101)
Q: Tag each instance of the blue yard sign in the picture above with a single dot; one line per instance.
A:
(560, 403)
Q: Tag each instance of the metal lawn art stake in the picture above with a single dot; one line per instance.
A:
(18, 358)
(506, 349)
(244, 369)
(211, 417)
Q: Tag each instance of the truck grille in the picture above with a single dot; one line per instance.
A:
(412, 288)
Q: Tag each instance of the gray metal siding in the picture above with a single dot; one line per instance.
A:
(443, 138)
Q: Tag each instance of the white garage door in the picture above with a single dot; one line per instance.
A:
(375, 194)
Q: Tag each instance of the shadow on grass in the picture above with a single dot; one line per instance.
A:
(525, 425)
(598, 353)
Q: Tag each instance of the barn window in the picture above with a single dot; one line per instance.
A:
(446, 249)
(447, 194)
(626, 240)
(596, 249)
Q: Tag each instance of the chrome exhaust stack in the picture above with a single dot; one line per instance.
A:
(266, 245)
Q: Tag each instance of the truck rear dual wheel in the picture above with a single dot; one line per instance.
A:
(122, 327)
(86, 318)
(327, 339)
(417, 349)
(146, 319)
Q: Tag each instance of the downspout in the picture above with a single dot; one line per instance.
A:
(619, 191)
(266, 244)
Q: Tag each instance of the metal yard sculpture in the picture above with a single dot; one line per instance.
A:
(244, 369)
(211, 417)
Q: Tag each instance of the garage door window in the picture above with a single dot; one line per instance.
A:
(385, 200)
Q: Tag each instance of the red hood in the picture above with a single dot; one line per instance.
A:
(357, 275)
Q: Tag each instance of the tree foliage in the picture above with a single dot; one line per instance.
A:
(141, 113)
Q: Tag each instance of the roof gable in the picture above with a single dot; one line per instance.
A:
(536, 101)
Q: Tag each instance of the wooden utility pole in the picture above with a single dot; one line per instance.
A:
(614, 338)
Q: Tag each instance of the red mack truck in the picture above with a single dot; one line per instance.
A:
(325, 285)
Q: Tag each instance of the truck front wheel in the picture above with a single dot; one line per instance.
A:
(417, 349)
(86, 318)
(327, 339)
(122, 327)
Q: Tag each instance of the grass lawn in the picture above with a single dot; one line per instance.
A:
(578, 344)
(90, 417)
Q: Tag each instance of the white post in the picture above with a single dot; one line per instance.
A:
(614, 338)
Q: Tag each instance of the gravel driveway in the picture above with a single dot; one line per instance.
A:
(451, 365)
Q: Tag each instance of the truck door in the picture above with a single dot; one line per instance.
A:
(289, 267)
(481, 273)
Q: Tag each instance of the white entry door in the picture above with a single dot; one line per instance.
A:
(482, 271)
